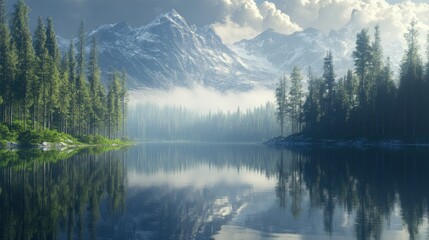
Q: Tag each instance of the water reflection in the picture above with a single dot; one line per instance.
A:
(223, 191)
(44, 199)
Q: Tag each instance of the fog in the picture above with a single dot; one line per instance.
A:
(202, 99)
(202, 114)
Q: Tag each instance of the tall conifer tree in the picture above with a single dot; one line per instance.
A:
(26, 59)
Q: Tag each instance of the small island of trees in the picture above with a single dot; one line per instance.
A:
(366, 102)
(43, 92)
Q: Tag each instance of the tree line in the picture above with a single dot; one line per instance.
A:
(180, 123)
(40, 88)
(367, 101)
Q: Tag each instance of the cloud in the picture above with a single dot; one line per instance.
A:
(234, 20)
(246, 19)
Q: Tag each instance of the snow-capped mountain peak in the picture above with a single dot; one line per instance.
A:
(169, 52)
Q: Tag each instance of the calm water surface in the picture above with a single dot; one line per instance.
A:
(216, 191)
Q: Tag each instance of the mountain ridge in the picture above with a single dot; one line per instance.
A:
(168, 52)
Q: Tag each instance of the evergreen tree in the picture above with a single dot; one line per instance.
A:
(82, 91)
(390, 101)
(73, 112)
(379, 90)
(124, 99)
(411, 83)
(97, 91)
(65, 101)
(41, 82)
(312, 108)
(329, 95)
(51, 42)
(362, 60)
(25, 54)
(282, 103)
(8, 62)
(112, 105)
(295, 99)
(54, 72)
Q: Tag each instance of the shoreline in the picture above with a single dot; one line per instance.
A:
(306, 141)
(60, 146)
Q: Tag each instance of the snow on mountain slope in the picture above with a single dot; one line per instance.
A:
(303, 49)
(169, 52)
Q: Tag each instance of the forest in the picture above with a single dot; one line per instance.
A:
(42, 89)
(368, 101)
(180, 123)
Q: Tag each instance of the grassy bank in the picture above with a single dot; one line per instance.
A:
(17, 136)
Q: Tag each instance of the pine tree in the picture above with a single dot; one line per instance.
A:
(124, 99)
(411, 83)
(379, 90)
(73, 112)
(51, 42)
(8, 62)
(112, 99)
(329, 98)
(390, 102)
(295, 100)
(82, 91)
(312, 108)
(25, 54)
(65, 101)
(54, 75)
(282, 103)
(97, 91)
(41, 82)
(362, 60)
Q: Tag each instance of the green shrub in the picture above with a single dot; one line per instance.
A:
(5, 134)
(29, 137)
(17, 126)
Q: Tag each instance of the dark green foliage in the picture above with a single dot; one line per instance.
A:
(41, 91)
(369, 104)
(5, 133)
(25, 76)
(29, 137)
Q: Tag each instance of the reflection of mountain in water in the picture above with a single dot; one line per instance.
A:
(191, 210)
(240, 189)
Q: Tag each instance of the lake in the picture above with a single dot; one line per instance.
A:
(217, 191)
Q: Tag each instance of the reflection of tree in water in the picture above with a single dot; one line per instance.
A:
(366, 184)
(290, 182)
(40, 200)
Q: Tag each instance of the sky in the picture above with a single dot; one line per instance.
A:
(234, 20)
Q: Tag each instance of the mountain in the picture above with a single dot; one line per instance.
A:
(302, 49)
(169, 52)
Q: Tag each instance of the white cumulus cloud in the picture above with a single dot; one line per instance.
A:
(245, 19)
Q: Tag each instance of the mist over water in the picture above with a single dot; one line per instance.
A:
(203, 100)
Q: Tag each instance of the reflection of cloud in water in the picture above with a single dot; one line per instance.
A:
(201, 177)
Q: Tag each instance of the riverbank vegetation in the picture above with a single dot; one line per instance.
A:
(49, 96)
(365, 103)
